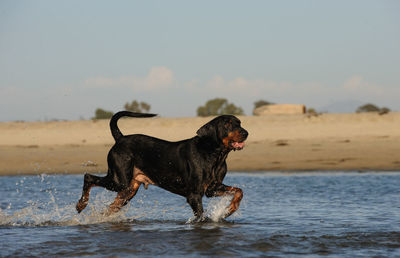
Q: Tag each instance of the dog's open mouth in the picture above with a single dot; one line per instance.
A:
(237, 145)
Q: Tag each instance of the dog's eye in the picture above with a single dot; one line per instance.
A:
(235, 124)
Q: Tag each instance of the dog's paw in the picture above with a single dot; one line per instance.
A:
(81, 205)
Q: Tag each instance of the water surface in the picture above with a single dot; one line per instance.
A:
(313, 214)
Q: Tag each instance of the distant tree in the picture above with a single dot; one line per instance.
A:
(311, 111)
(368, 108)
(231, 109)
(102, 114)
(384, 110)
(372, 108)
(261, 102)
(219, 106)
(135, 106)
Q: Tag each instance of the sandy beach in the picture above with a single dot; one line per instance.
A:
(339, 142)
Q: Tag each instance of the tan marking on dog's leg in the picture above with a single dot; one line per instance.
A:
(235, 203)
(139, 176)
(83, 201)
(124, 197)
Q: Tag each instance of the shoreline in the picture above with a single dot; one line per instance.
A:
(251, 173)
(293, 143)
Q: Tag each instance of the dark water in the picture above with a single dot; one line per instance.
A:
(310, 215)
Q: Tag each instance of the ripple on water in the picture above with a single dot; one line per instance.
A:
(314, 214)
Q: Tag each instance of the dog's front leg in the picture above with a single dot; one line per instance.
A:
(237, 197)
(196, 203)
(224, 190)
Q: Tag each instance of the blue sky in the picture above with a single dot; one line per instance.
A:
(64, 59)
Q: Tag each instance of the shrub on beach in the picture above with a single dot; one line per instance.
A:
(261, 102)
(102, 114)
(219, 106)
(372, 108)
(135, 106)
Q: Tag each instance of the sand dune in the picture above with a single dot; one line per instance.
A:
(276, 142)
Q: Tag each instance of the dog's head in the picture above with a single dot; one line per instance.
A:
(225, 130)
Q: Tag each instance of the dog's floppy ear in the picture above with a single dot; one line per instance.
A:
(208, 130)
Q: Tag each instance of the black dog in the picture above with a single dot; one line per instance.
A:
(191, 168)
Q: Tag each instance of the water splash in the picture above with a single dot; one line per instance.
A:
(39, 214)
(217, 208)
(37, 202)
(51, 213)
(50, 200)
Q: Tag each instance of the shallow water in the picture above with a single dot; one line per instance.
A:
(314, 214)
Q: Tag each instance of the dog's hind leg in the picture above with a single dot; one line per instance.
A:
(124, 196)
(88, 183)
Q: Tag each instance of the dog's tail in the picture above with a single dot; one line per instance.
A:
(116, 133)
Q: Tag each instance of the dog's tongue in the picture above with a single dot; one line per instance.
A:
(238, 145)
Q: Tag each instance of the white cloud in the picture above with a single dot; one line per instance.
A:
(216, 83)
(258, 88)
(71, 101)
(312, 93)
(159, 77)
(247, 90)
(356, 85)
